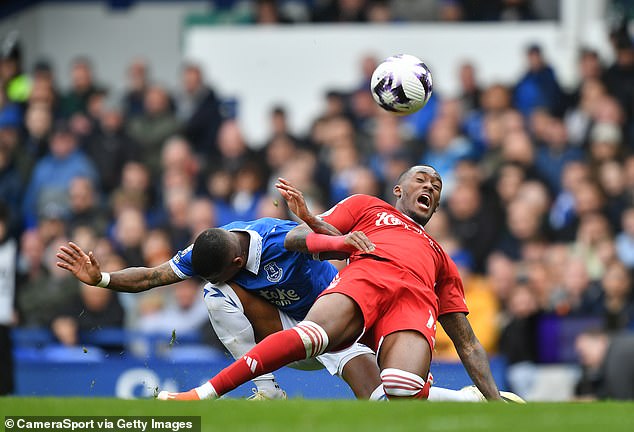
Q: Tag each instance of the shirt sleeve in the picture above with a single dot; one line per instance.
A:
(450, 290)
(341, 215)
(181, 263)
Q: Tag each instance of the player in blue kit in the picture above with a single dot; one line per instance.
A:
(269, 289)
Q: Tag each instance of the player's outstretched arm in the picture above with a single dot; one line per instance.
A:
(297, 204)
(317, 235)
(471, 352)
(85, 267)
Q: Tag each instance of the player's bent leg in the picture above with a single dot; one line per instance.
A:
(357, 366)
(404, 358)
(239, 319)
(340, 317)
(307, 339)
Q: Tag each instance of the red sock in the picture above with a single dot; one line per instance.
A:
(272, 353)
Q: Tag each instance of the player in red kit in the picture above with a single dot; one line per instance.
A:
(398, 283)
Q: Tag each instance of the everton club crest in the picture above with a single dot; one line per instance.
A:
(273, 272)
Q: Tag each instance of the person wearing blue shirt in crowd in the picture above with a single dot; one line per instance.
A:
(53, 174)
(269, 289)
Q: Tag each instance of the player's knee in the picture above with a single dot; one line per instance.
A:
(398, 383)
(313, 336)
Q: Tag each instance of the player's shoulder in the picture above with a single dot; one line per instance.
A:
(362, 200)
(262, 225)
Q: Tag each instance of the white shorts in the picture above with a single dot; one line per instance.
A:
(334, 362)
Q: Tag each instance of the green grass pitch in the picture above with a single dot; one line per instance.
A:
(232, 415)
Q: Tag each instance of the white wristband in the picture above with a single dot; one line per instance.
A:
(105, 280)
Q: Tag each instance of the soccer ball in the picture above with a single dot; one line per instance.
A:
(401, 84)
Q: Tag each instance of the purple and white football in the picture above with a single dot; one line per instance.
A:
(401, 84)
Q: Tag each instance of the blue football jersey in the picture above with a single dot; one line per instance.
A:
(289, 280)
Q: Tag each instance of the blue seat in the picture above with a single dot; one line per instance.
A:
(72, 354)
(192, 353)
(27, 353)
(23, 336)
(104, 337)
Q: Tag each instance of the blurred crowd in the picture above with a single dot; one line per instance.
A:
(381, 11)
(537, 207)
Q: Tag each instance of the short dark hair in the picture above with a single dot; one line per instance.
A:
(409, 171)
(210, 254)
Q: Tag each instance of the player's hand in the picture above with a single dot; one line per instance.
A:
(360, 241)
(84, 267)
(294, 198)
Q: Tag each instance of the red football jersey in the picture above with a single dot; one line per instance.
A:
(403, 242)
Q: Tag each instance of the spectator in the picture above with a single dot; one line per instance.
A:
(134, 190)
(617, 306)
(198, 108)
(344, 161)
(619, 76)
(110, 147)
(150, 129)
(202, 215)
(280, 124)
(95, 308)
(45, 290)
(177, 155)
(267, 12)
(538, 87)
(75, 101)
(589, 68)
(523, 225)
(184, 314)
(128, 235)
(611, 180)
(562, 218)
(10, 187)
(387, 142)
(579, 117)
(473, 222)
(248, 191)
(15, 83)
(586, 198)
(555, 154)
(508, 182)
(279, 149)
(234, 152)
(570, 297)
(341, 11)
(518, 340)
(84, 206)
(625, 239)
(38, 122)
(8, 315)
(177, 202)
(446, 146)
(53, 174)
(44, 91)
(378, 11)
(593, 229)
(470, 91)
(606, 361)
(136, 87)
